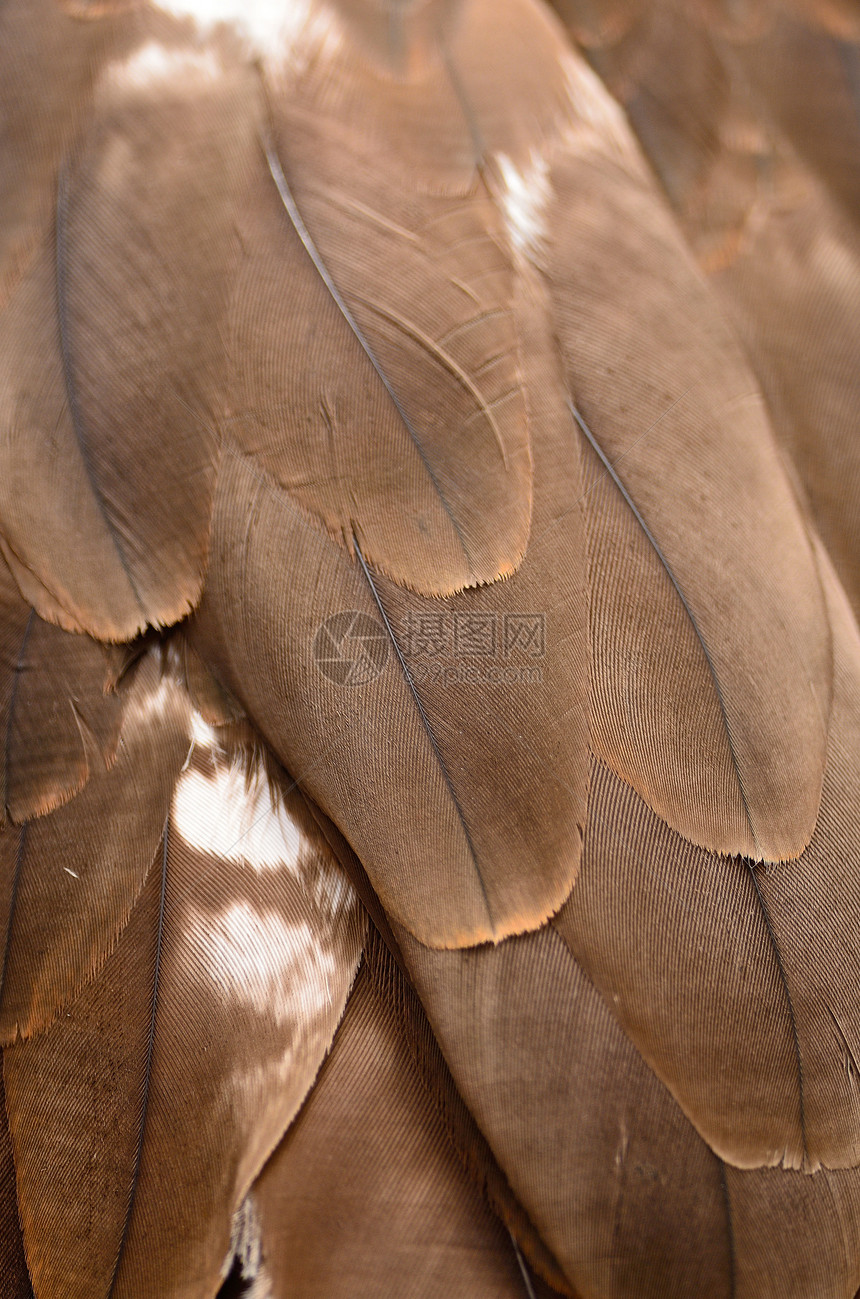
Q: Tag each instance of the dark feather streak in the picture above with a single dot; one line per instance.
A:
(291, 208)
(523, 1266)
(609, 468)
(425, 722)
(147, 1075)
(69, 378)
(13, 696)
(7, 942)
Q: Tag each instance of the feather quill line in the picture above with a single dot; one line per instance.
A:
(13, 899)
(616, 462)
(13, 696)
(791, 1016)
(291, 208)
(426, 723)
(730, 1230)
(607, 465)
(69, 380)
(297, 782)
(444, 358)
(147, 1077)
(523, 1266)
(22, 836)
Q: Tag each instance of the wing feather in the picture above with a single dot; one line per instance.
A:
(227, 984)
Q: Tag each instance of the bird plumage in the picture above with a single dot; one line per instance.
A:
(430, 856)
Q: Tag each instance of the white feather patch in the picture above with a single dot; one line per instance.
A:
(525, 199)
(260, 1287)
(204, 735)
(598, 120)
(246, 1247)
(271, 27)
(234, 817)
(152, 702)
(154, 63)
(329, 889)
(278, 969)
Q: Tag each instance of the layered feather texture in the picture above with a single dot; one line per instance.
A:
(59, 712)
(390, 507)
(753, 140)
(398, 703)
(200, 942)
(369, 1183)
(75, 876)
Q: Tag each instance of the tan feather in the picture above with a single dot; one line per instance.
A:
(72, 878)
(367, 1177)
(478, 886)
(698, 462)
(226, 985)
(59, 718)
(371, 336)
(13, 1267)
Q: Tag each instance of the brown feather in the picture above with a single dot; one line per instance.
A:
(120, 281)
(40, 46)
(747, 163)
(72, 878)
(208, 697)
(486, 853)
(757, 1056)
(420, 493)
(226, 985)
(153, 104)
(351, 310)
(670, 915)
(616, 1181)
(742, 772)
(494, 803)
(619, 1184)
(73, 1100)
(13, 1266)
(43, 532)
(817, 1257)
(793, 290)
(366, 1195)
(58, 718)
(817, 50)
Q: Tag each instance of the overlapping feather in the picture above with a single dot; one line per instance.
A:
(341, 312)
(177, 930)
(753, 140)
(368, 1183)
